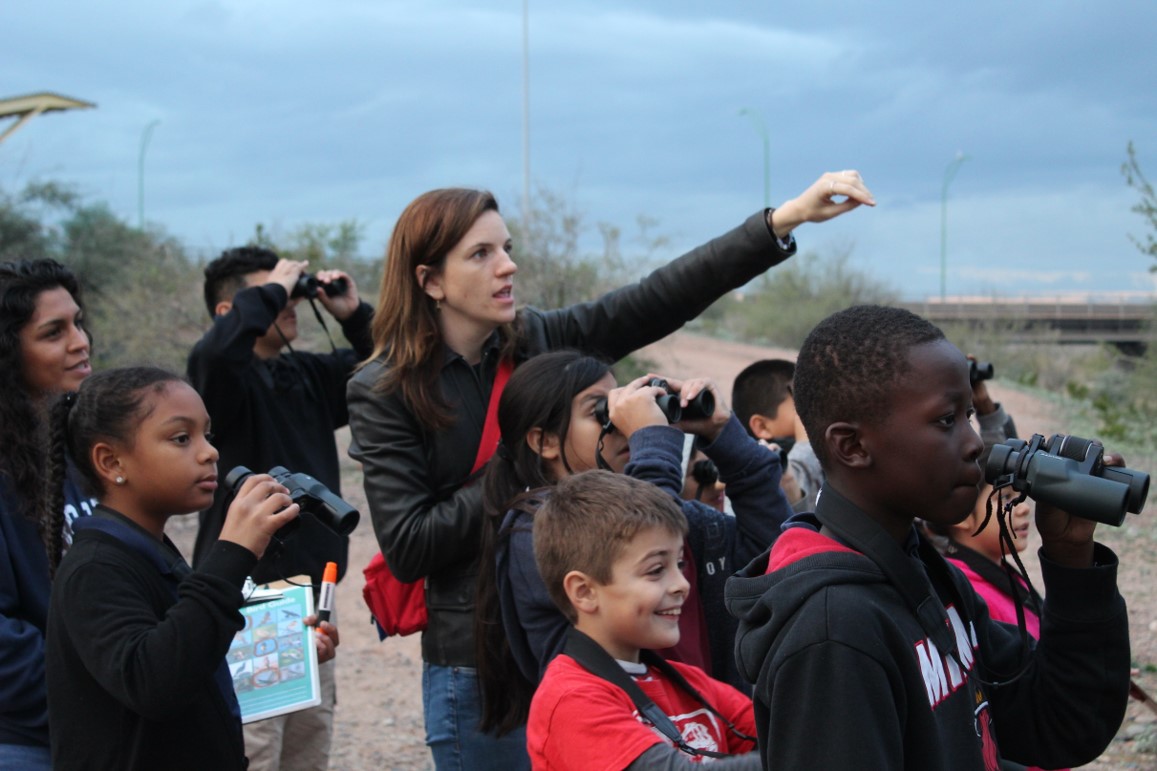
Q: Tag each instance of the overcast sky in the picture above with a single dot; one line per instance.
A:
(289, 112)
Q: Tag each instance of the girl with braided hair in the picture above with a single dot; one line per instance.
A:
(44, 351)
(136, 643)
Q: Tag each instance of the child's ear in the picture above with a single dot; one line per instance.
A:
(846, 447)
(544, 443)
(223, 307)
(582, 591)
(760, 427)
(105, 461)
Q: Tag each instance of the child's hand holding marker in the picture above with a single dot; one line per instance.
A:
(327, 637)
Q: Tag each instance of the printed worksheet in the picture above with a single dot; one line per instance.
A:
(273, 660)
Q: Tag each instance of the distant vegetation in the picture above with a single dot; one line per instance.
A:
(140, 288)
(1146, 207)
(143, 291)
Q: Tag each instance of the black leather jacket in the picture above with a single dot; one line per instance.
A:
(427, 521)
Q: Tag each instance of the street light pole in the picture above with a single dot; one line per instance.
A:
(145, 135)
(761, 127)
(949, 175)
(526, 115)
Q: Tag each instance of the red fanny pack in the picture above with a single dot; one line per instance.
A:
(399, 608)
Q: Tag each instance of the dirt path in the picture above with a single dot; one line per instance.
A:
(379, 721)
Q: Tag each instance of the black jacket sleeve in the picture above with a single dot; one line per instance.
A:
(218, 362)
(357, 330)
(751, 473)
(637, 315)
(154, 664)
(1070, 702)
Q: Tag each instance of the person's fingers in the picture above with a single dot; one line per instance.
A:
(1114, 459)
(330, 631)
(850, 185)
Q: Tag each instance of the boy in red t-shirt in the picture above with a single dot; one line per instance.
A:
(608, 547)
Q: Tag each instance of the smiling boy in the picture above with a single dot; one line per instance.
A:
(609, 547)
(866, 649)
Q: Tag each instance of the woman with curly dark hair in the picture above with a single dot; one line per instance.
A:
(44, 351)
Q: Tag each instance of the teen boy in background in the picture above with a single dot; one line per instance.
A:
(274, 408)
(878, 655)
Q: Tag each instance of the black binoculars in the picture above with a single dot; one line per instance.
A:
(702, 406)
(311, 495)
(308, 286)
(1070, 473)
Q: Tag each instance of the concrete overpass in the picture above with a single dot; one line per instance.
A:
(1128, 325)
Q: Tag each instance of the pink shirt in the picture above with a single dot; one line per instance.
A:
(1000, 604)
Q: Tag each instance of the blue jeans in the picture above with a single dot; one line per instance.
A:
(25, 757)
(453, 708)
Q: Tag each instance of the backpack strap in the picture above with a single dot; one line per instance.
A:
(593, 658)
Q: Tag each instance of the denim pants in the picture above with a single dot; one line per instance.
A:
(25, 757)
(453, 708)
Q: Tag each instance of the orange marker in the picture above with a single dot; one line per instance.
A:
(328, 586)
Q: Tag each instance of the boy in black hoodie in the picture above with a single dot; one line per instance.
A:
(865, 648)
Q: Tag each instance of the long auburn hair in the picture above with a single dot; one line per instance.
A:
(22, 424)
(405, 328)
(539, 395)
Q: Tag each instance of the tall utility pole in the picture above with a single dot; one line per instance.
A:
(949, 175)
(761, 127)
(145, 135)
(526, 114)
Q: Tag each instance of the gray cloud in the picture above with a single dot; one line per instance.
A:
(289, 112)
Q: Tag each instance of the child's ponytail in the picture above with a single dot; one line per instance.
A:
(50, 508)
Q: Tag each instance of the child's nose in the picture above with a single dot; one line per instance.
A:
(974, 445)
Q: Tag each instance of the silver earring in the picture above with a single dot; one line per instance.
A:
(120, 480)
